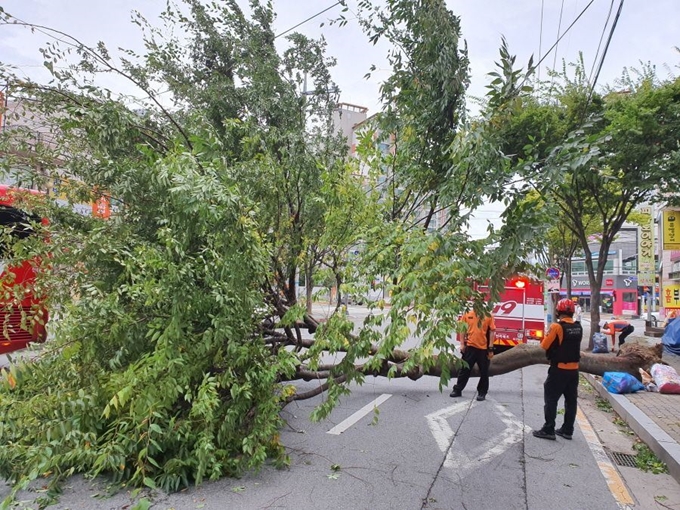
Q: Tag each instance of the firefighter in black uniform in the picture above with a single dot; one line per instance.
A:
(563, 348)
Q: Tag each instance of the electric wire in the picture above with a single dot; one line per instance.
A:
(540, 38)
(559, 27)
(606, 47)
(604, 54)
(340, 2)
(604, 29)
(560, 38)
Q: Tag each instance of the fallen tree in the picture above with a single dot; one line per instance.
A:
(629, 359)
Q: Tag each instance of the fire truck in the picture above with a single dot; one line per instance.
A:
(21, 321)
(519, 313)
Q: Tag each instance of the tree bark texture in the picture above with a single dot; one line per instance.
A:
(630, 359)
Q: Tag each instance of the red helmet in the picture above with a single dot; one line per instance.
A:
(565, 306)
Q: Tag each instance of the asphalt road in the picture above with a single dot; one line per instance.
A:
(403, 444)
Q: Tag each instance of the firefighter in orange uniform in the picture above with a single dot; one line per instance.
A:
(563, 348)
(477, 347)
(612, 327)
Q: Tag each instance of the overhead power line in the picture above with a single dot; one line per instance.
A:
(564, 33)
(559, 27)
(604, 29)
(540, 40)
(341, 2)
(604, 52)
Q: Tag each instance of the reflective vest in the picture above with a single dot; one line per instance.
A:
(569, 349)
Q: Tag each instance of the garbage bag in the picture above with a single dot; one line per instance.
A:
(621, 382)
(666, 378)
(600, 343)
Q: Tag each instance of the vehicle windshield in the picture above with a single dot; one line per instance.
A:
(16, 224)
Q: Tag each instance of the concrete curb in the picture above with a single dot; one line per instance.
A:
(663, 445)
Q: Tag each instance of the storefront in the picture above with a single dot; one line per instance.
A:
(618, 295)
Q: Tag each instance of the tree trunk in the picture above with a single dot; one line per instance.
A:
(309, 287)
(630, 359)
(567, 272)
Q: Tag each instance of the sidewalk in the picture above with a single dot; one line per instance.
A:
(654, 417)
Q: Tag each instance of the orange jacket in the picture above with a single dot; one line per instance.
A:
(613, 326)
(477, 329)
(556, 332)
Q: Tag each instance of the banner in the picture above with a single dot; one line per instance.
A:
(671, 230)
(671, 296)
(646, 266)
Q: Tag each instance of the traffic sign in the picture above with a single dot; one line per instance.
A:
(553, 273)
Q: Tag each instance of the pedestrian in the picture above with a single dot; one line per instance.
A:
(623, 327)
(563, 348)
(477, 348)
(578, 313)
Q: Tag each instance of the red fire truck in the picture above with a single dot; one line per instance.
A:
(519, 313)
(24, 321)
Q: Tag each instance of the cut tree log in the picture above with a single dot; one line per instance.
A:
(629, 359)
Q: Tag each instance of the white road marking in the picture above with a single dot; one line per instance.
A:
(461, 461)
(610, 473)
(439, 426)
(351, 420)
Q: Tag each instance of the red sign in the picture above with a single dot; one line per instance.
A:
(609, 282)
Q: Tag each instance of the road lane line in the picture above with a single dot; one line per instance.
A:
(351, 420)
(611, 475)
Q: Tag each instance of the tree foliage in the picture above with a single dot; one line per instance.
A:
(597, 157)
(177, 333)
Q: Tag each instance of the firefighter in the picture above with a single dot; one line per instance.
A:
(477, 347)
(563, 348)
(623, 327)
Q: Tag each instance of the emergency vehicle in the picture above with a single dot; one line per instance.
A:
(519, 313)
(20, 322)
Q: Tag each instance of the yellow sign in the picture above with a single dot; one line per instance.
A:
(671, 230)
(646, 264)
(671, 296)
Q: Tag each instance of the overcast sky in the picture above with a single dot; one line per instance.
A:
(646, 31)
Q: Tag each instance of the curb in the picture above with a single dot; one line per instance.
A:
(663, 445)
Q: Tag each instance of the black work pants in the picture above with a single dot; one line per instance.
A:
(624, 333)
(471, 356)
(560, 382)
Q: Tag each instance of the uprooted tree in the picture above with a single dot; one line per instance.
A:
(177, 331)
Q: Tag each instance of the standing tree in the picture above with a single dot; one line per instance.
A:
(595, 158)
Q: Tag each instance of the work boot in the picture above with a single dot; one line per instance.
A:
(455, 393)
(563, 434)
(544, 435)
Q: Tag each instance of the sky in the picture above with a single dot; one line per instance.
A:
(647, 31)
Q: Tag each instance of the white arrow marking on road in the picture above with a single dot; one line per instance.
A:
(462, 462)
(439, 426)
(348, 422)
